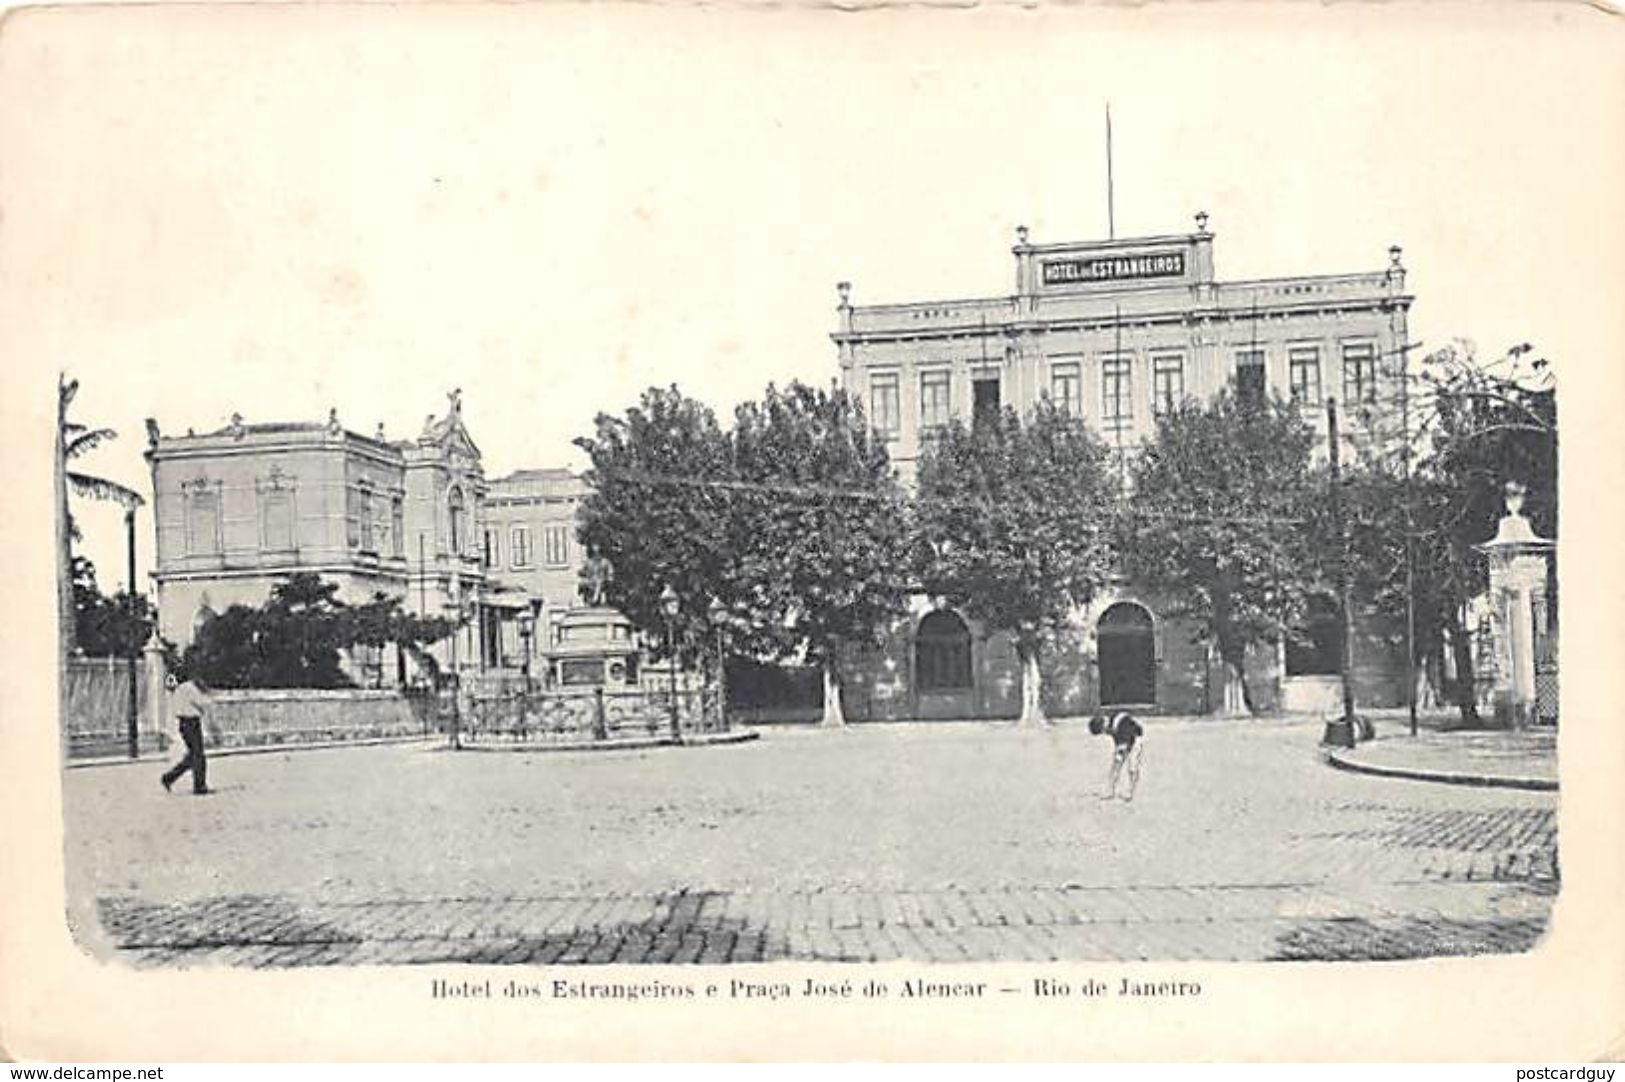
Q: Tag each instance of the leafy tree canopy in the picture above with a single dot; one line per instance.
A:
(1014, 520)
(295, 639)
(819, 523)
(1217, 523)
(117, 626)
(656, 513)
(782, 533)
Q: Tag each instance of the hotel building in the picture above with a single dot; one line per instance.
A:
(1116, 332)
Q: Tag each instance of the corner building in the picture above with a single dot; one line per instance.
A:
(239, 509)
(1117, 332)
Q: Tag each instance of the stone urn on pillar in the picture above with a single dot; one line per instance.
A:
(1518, 564)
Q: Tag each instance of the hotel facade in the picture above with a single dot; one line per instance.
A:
(1117, 332)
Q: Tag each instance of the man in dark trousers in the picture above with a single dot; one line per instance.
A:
(186, 705)
(1128, 749)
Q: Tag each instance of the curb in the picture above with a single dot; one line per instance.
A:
(698, 740)
(1341, 761)
(251, 749)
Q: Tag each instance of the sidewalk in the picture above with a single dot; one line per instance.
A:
(1507, 759)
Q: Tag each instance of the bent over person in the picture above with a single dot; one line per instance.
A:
(186, 704)
(1128, 749)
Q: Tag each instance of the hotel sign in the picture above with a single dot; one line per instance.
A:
(1114, 268)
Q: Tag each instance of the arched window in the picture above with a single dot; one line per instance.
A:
(455, 503)
(942, 653)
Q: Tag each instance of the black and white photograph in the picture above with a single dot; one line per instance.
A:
(981, 509)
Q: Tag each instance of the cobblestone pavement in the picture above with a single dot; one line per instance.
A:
(955, 842)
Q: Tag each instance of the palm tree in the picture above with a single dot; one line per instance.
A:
(73, 441)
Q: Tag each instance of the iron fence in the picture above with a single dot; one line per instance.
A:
(585, 716)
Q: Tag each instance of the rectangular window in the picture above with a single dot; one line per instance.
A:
(519, 546)
(1167, 383)
(934, 401)
(363, 510)
(1066, 388)
(278, 512)
(1359, 372)
(1303, 369)
(883, 405)
(352, 518)
(1116, 394)
(984, 400)
(397, 527)
(556, 546)
(581, 672)
(1252, 384)
(493, 547)
(203, 525)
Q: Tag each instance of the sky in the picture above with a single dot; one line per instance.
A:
(281, 210)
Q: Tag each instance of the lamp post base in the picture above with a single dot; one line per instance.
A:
(1339, 733)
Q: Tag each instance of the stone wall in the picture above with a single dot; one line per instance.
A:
(272, 718)
(96, 716)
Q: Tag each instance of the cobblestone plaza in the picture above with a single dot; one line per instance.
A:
(947, 842)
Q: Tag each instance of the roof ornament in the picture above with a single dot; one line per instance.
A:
(379, 435)
(844, 291)
(153, 435)
(1201, 223)
(333, 426)
(454, 405)
(1021, 235)
(236, 427)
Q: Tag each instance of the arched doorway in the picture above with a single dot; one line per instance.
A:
(1320, 650)
(942, 653)
(1127, 655)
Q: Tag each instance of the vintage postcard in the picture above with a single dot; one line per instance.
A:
(555, 531)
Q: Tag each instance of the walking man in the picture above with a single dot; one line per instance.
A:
(186, 705)
(1128, 750)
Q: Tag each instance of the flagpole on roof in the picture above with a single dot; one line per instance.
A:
(1111, 210)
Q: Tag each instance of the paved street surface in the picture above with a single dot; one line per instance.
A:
(953, 842)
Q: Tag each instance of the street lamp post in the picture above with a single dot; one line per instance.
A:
(456, 674)
(132, 711)
(718, 612)
(670, 604)
(1343, 730)
(527, 628)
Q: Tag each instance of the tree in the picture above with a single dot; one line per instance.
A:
(818, 523)
(296, 639)
(74, 440)
(789, 524)
(1217, 524)
(117, 626)
(381, 622)
(1478, 425)
(1012, 527)
(659, 514)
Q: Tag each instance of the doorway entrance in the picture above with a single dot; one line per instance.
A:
(1127, 656)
